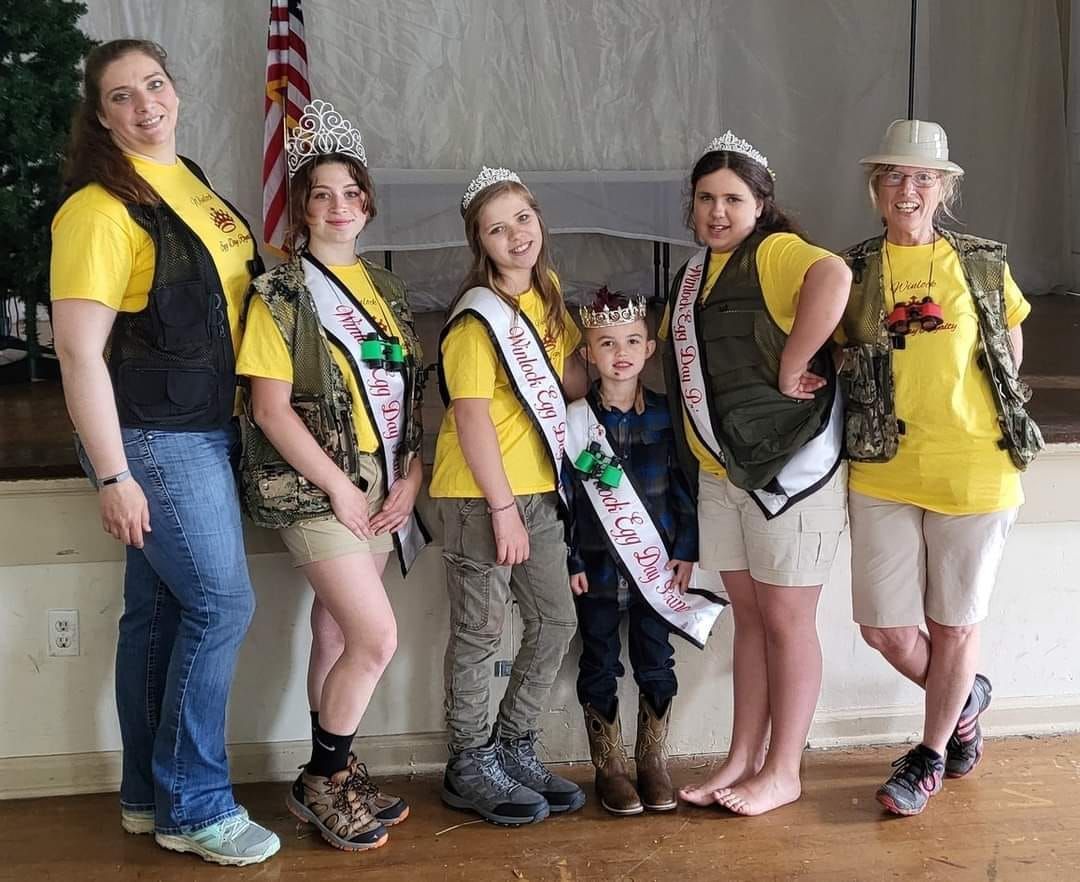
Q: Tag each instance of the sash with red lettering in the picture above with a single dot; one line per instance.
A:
(634, 538)
(521, 350)
(385, 393)
(808, 469)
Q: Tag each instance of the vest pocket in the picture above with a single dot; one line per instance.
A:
(183, 315)
(166, 394)
(282, 491)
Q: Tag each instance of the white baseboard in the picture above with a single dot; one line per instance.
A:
(23, 777)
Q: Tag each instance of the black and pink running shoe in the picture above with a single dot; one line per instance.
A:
(917, 777)
(965, 747)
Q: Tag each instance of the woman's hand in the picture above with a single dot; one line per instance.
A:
(398, 505)
(350, 506)
(795, 381)
(683, 570)
(579, 584)
(511, 537)
(125, 513)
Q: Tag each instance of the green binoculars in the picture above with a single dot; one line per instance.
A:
(385, 353)
(596, 465)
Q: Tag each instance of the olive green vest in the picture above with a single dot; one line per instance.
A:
(872, 429)
(758, 427)
(273, 493)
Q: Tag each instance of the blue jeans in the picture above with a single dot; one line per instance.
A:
(188, 602)
(651, 654)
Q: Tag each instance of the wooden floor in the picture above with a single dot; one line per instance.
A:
(1016, 818)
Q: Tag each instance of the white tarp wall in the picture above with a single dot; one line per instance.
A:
(608, 88)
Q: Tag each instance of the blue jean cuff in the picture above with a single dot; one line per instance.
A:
(202, 825)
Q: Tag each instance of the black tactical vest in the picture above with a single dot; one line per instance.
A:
(172, 363)
(758, 427)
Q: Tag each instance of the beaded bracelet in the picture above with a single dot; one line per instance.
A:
(510, 504)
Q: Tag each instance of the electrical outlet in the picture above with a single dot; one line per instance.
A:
(63, 632)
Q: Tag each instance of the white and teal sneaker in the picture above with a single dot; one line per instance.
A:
(236, 842)
(136, 821)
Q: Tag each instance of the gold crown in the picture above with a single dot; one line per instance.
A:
(604, 315)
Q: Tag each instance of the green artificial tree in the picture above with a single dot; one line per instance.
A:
(41, 54)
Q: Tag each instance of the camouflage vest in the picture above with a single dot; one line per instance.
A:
(758, 427)
(273, 493)
(872, 429)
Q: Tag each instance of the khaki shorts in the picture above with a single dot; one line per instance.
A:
(327, 538)
(795, 549)
(909, 564)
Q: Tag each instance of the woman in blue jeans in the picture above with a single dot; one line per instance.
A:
(149, 269)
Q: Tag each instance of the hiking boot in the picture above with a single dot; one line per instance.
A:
(650, 752)
(476, 780)
(917, 777)
(523, 765)
(614, 788)
(137, 821)
(338, 808)
(965, 747)
(387, 809)
(236, 842)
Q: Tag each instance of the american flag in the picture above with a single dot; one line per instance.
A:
(287, 93)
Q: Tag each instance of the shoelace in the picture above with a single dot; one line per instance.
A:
(493, 770)
(911, 768)
(360, 779)
(232, 827)
(524, 753)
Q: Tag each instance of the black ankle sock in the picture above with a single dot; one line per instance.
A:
(929, 751)
(314, 722)
(329, 752)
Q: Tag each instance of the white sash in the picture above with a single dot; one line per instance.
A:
(633, 536)
(346, 323)
(811, 466)
(521, 351)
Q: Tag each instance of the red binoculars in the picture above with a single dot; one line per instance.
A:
(924, 313)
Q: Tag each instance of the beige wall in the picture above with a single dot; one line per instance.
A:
(58, 730)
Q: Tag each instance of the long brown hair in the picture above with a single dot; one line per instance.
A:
(300, 190)
(93, 157)
(483, 272)
(773, 219)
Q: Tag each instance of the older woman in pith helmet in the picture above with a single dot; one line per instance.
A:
(937, 436)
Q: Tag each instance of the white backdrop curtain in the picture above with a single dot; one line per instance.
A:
(613, 101)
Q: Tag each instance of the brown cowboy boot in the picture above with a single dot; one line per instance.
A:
(654, 782)
(613, 785)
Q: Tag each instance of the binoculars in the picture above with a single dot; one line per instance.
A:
(924, 313)
(382, 353)
(595, 465)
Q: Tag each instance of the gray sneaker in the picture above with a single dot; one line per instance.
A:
(236, 842)
(475, 780)
(523, 765)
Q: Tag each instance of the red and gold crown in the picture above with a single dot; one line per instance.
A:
(611, 308)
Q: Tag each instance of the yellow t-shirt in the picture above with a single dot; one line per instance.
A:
(474, 370)
(948, 460)
(99, 253)
(783, 259)
(263, 352)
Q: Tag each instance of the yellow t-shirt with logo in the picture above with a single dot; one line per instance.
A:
(473, 369)
(783, 259)
(948, 460)
(99, 253)
(263, 352)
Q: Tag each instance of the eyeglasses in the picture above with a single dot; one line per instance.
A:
(921, 179)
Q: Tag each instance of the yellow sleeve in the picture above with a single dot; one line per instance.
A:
(571, 332)
(1017, 307)
(665, 323)
(263, 352)
(93, 249)
(783, 260)
(469, 360)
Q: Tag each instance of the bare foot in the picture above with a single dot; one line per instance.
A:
(759, 794)
(728, 775)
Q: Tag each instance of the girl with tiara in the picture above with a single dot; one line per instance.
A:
(753, 396)
(330, 456)
(506, 348)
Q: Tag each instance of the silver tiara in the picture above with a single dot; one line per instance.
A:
(486, 178)
(732, 143)
(321, 130)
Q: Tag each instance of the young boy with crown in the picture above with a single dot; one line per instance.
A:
(633, 541)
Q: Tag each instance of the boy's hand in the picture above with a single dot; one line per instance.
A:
(579, 584)
(683, 569)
